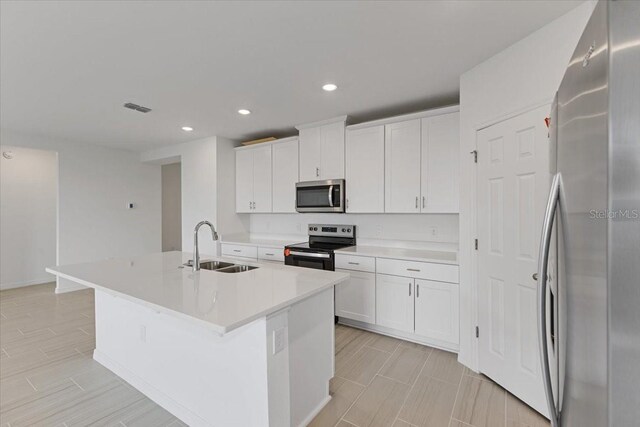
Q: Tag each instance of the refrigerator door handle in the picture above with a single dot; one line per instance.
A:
(545, 242)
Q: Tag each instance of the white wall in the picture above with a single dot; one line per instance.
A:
(208, 175)
(408, 230)
(525, 75)
(28, 210)
(94, 186)
(171, 207)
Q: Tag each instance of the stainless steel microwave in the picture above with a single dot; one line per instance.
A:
(320, 196)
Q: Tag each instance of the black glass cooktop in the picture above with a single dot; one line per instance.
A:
(318, 246)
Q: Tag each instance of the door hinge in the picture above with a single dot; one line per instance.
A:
(477, 332)
(475, 156)
(476, 244)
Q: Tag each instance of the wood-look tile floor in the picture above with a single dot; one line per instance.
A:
(48, 377)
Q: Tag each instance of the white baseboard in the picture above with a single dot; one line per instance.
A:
(315, 412)
(398, 334)
(159, 397)
(22, 284)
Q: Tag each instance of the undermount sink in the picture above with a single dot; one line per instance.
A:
(211, 265)
(222, 267)
(236, 269)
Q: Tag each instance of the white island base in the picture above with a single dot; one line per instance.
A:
(273, 371)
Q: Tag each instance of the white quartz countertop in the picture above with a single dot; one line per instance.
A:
(408, 254)
(219, 301)
(248, 240)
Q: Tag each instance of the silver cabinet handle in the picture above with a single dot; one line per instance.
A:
(353, 263)
(254, 205)
(413, 269)
(424, 201)
(409, 288)
(541, 277)
(417, 202)
(268, 254)
(237, 250)
(317, 171)
(249, 205)
(347, 203)
(331, 195)
(417, 291)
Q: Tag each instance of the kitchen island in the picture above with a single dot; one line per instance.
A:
(249, 348)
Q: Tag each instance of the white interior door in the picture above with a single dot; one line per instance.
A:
(513, 181)
(365, 170)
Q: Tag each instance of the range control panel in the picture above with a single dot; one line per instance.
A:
(333, 230)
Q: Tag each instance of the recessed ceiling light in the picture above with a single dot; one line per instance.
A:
(244, 112)
(329, 87)
(187, 128)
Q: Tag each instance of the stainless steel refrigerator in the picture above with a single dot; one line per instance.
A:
(589, 306)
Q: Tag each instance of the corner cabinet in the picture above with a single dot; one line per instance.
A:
(321, 148)
(436, 310)
(253, 179)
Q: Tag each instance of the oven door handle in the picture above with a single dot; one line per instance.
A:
(331, 196)
(309, 254)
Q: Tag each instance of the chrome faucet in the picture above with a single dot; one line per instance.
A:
(196, 251)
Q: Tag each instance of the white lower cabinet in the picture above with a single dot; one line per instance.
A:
(394, 302)
(436, 310)
(356, 298)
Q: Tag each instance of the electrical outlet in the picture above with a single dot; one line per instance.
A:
(433, 232)
(378, 231)
(278, 340)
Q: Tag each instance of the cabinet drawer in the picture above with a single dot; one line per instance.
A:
(239, 251)
(358, 263)
(271, 254)
(419, 270)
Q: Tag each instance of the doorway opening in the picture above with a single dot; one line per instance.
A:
(28, 215)
(172, 207)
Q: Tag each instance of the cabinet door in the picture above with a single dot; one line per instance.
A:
(365, 170)
(309, 140)
(436, 311)
(440, 163)
(356, 298)
(244, 180)
(394, 302)
(402, 167)
(261, 179)
(332, 151)
(285, 176)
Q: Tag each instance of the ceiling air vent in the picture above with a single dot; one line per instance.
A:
(136, 107)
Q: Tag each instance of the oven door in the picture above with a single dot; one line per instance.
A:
(317, 260)
(320, 196)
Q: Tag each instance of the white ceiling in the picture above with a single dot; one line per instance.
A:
(68, 67)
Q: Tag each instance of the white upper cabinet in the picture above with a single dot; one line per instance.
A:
(262, 179)
(322, 150)
(402, 167)
(365, 170)
(285, 175)
(253, 180)
(310, 154)
(440, 163)
(244, 181)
